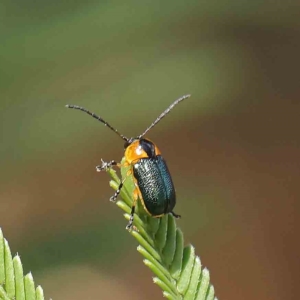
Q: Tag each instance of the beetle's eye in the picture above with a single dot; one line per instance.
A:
(126, 145)
(128, 142)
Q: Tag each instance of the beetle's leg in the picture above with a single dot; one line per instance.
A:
(106, 165)
(113, 198)
(115, 195)
(175, 215)
(135, 198)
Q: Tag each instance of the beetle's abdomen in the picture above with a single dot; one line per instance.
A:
(155, 183)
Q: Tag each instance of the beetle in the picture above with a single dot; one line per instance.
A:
(153, 182)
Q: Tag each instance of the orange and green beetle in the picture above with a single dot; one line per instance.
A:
(153, 182)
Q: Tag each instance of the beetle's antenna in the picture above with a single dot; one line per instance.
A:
(163, 114)
(99, 119)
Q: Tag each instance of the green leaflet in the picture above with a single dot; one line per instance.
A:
(13, 284)
(177, 269)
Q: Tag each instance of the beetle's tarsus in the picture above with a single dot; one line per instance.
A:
(130, 223)
(175, 215)
(105, 165)
(129, 227)
(114, 197)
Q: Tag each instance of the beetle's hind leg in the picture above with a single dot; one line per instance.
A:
(175, 215)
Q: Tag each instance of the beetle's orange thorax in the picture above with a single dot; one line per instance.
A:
(135, 152)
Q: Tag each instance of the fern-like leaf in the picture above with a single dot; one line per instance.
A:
(13, 284)
(177, 269)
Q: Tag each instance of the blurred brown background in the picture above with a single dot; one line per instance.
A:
(232, 148)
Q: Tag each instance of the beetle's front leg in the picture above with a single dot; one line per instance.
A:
(106, 165)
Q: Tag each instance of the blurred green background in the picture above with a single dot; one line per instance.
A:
(232, 148)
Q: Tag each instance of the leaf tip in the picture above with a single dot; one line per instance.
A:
(29, 276)
(205, 273)
(17, 259)
(39, 293)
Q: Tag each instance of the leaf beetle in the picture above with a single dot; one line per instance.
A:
(153, 182)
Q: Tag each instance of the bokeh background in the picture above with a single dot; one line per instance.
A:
(232, 148)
